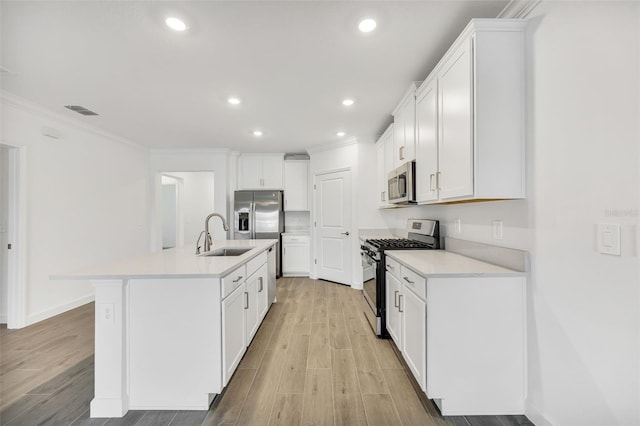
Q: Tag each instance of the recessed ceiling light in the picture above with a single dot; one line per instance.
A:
(367, 25)
(175, 24)
(340, 134)
(257, 133)
(347, 102)
(234, 101)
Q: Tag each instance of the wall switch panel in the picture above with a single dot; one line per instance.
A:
(457, 226)
(609, 238)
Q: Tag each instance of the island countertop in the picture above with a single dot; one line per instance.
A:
(179, 262)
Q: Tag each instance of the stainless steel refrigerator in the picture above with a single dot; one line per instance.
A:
(259, 215)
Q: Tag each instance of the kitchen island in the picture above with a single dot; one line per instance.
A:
(171, 327)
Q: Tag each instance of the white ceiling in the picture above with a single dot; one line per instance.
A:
(291, 62)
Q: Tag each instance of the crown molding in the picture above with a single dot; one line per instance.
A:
(518, 9)
(28, 106)
(332, 146)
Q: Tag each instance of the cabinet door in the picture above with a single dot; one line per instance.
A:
(381, 175)
(250, 172)
(414, 334)
(262, 298)
(295, 258)
(398, 138)
(296, 185)
(233, 332)
(409, 120)
(455, 142)
(251, 306)
(272, 172)
(389, 157)
(427, 143)
(393, 313)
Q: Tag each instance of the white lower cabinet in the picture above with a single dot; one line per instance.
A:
(407, 319)
(233, 331)
(394, 320)
(462, 337)
(242, 311)
(414, 338)
(295, 255)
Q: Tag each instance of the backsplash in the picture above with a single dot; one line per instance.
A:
(297, 221)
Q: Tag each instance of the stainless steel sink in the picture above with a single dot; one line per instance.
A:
(228, 251)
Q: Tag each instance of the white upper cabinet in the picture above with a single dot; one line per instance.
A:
(260, 171)
(404, 117)
(384, 164)
(470, 117)
(296, 185)
(427, 142)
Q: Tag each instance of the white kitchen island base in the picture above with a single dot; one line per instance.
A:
(170, 327)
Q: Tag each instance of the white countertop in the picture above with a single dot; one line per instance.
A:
(179, 262)
(442, 263)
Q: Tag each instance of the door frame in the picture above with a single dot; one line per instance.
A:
(17, 235)
(314, 234)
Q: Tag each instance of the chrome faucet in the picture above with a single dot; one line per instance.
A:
(207, 236)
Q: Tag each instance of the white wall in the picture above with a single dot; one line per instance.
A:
(197, 201)
(87, 203)
(215, 161)
(583, 163)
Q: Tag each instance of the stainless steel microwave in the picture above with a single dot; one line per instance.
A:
(402, 184)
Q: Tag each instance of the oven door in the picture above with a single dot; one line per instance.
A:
(372, 294)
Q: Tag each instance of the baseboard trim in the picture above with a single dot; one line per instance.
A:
(57, 310)
(535, 416)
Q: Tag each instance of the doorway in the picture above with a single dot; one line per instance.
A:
(184, 201)
(11, 234)
(333, 195)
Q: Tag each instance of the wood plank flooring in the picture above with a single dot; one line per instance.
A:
(314, 361)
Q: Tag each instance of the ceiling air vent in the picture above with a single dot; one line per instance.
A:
(80, 110)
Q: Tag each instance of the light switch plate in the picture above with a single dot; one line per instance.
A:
(497, 230)
(609, 238)
(457, 226)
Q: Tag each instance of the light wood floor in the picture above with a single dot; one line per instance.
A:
(314, 361)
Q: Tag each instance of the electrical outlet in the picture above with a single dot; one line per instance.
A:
(457, 226)
(107, 313)
(497, 230)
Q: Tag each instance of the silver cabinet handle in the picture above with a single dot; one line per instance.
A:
(246, 300)
(345, 233)
(391, 267)
(237, 279)
(400, 302)
(395, 299)
(382, 196)
(401, 153)
(431, 176)
(261, 285)
(438, 181)
(408, 280)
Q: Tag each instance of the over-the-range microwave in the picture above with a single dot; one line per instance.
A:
(402, 184)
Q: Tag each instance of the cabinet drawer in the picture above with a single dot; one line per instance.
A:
(415, 282)
(233, 280)
(295, 239)
(256, 263)
(393, 267)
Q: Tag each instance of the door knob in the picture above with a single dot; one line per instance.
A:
(345, 233)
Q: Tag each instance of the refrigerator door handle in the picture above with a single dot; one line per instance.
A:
(253, 221)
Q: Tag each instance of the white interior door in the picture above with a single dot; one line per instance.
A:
(333, 226)
(4, 233)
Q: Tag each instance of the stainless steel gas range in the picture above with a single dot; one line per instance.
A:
(423, 234)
